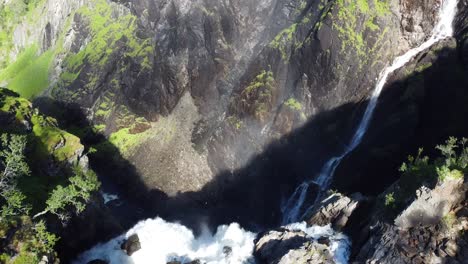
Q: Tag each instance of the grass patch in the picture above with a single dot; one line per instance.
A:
(126, 142)
(293, 104)
(29, 75)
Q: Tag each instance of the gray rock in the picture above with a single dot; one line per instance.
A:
(131, 245)
(335, 210)
(432, 205)
(284, 246)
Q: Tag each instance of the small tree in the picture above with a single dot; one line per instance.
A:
(13, 165)
(64, 201)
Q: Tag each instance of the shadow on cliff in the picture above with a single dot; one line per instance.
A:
(252, 195)
(424, 103)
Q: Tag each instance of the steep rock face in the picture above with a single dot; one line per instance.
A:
(335, 210)
(255, 70)
(431, 230)
(422, 105)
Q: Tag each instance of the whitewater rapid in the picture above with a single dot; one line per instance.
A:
(162, 242)
(292, 208)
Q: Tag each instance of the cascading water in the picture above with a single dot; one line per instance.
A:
(162, 241)
(443, 29)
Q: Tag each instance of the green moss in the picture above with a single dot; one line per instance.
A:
(423, 67)
(445, 173)
(348, 24)
(19, 106)
(108, 33)
(13, 13)
(53, 141)
(449, 220)
(283, 40)
(126, 142)
(258, 95)
(293, 104)
(235, 122)
(390, 200)
(33, 79)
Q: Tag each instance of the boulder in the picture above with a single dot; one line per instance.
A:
(335, 210)
(131, 245)
(285, 246)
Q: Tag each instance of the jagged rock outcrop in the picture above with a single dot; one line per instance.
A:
(432, 205)
(431, 230)
(284, 246)
(335, 210)
(139, 60)
(189, 92)
(131, 245)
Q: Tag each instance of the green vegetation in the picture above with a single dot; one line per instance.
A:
(27, 187)
(390, 200)
(108, 34)
(12, 13)
(29, 74)
(293, 104)
(283, 40)
(420, 170)
(449, 220)
(75, 195)
(31, 239)
(235, 122)
(348, 24)
(49, 138)
(126, 141)
(257, 97)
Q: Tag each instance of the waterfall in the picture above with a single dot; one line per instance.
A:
(443, 29)
(162, 241)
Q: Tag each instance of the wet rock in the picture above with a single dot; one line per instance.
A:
(324, 241)
(98, 261)
(284, 246)
(227, 251)
(131, 245)
(335, 210)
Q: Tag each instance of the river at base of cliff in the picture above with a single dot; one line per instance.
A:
(163, 242)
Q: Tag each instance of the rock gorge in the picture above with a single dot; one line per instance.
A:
(214, 111)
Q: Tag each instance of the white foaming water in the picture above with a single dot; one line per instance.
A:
(108, 197)
(340, 246)
(443, 29)
(162, 242)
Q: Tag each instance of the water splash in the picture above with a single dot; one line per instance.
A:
(162, 242)
(340, 246)
(442, 30)
(108, 197)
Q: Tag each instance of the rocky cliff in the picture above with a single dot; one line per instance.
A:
(220, 108)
